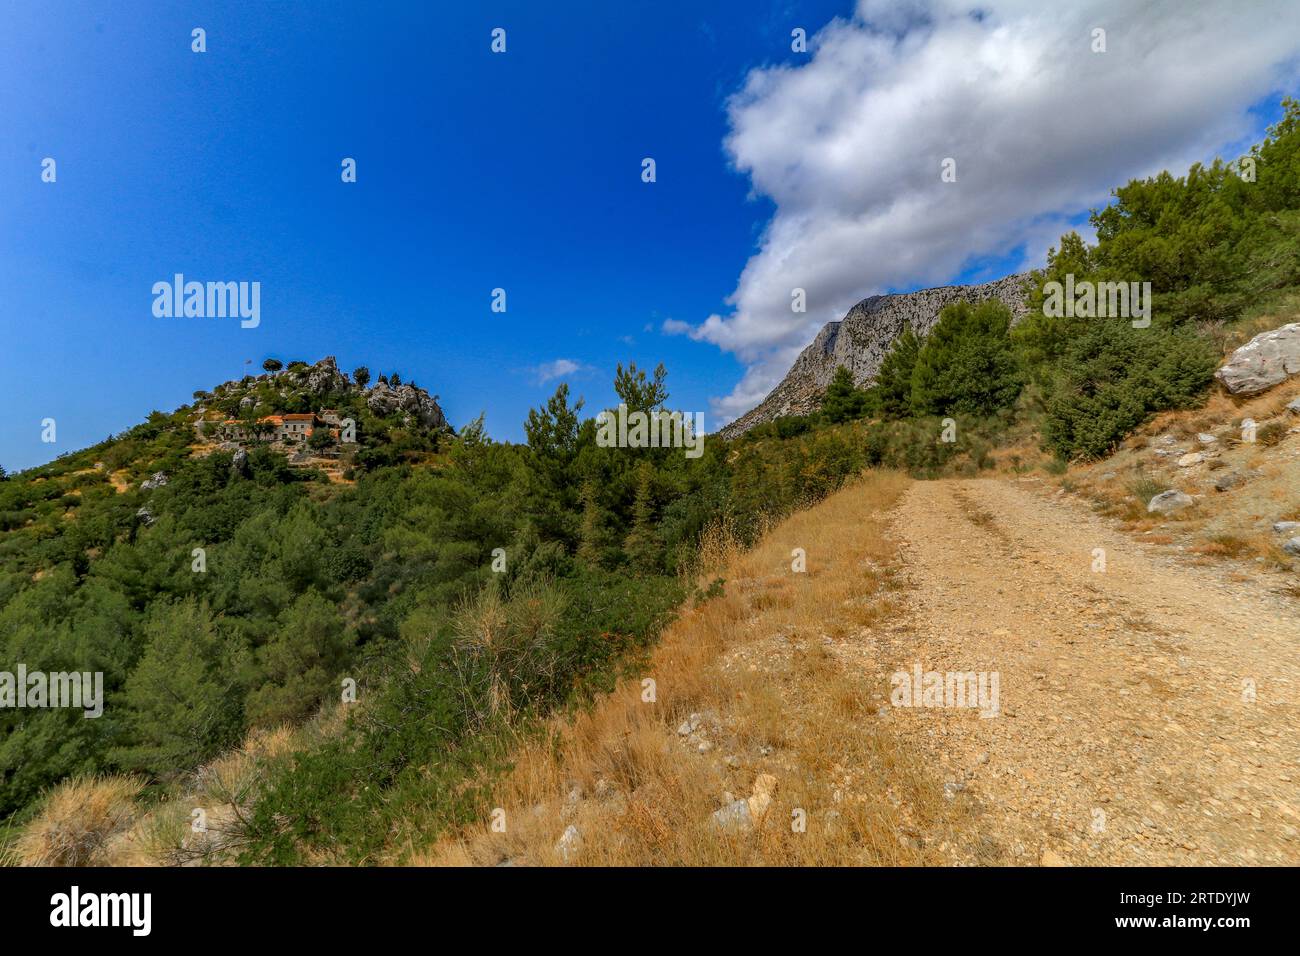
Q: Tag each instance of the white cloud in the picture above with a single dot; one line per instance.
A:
(849, 144)
(560, 368)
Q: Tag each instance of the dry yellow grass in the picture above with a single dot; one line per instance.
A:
(781, 725)
(164, 833)
(78, 820)
(120, 482)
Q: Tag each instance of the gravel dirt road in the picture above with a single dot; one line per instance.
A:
(1148, 710)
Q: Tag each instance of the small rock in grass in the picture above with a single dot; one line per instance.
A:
(1169, 501)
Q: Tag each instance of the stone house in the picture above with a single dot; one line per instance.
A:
(290, 428)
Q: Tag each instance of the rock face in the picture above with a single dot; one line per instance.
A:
(861, 340)
(1264, 361)
(383, 399)
(325, 377)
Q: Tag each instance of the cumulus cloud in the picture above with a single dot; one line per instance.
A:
(849, 144)
(560, 368)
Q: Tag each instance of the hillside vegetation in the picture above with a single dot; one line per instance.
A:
(461, 583)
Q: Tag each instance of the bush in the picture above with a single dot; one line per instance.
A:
(505, 657)
(1144, 488)
(1271, 433)
(1113, 377)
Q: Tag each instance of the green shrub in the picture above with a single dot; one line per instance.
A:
(1113, 377)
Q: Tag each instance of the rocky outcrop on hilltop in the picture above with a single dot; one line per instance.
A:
(383, 399)
(323, 377)
(303, 387)
(861, 340)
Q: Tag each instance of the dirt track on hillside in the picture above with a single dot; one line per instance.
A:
(1128, 733)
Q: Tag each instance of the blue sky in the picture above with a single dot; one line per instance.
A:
(475, 171)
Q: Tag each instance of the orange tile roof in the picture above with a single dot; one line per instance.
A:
(276, 419)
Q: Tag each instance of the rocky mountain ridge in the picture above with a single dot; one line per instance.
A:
(861, 340)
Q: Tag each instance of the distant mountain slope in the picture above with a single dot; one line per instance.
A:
(861, 340)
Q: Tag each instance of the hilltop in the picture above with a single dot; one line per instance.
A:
(300, 388)
(318, 413)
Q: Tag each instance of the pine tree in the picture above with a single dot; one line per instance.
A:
(182, 702)
(300, 661)
(639, 393)
(843, 401)
(967, 365)
(642, 543)
(594, 538)
(894, 379)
